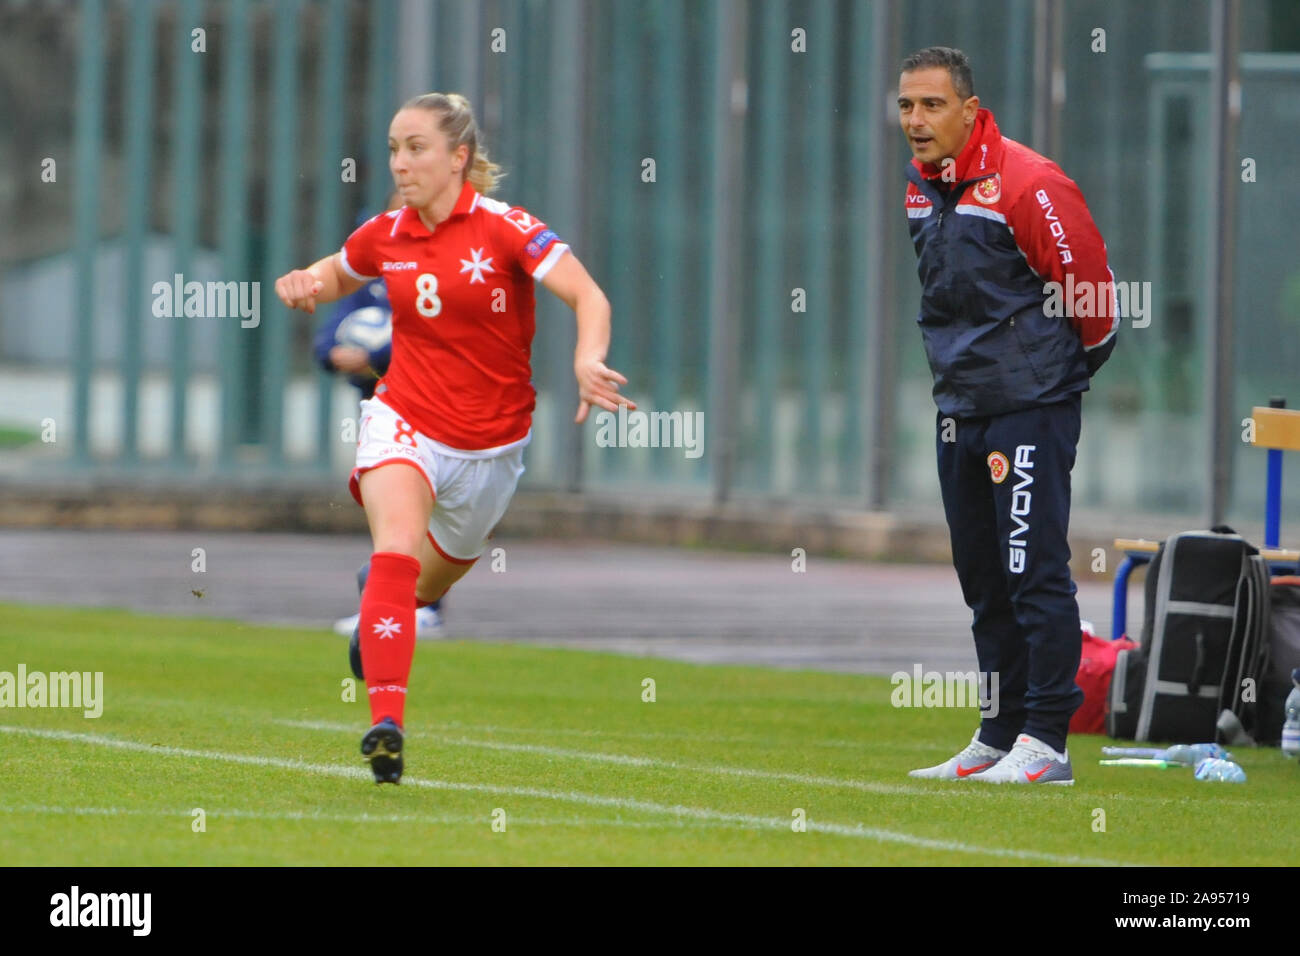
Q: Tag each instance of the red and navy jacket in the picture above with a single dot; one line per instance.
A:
(988, 242)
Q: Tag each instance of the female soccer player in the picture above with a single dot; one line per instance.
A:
(456, 405)
(364, 367)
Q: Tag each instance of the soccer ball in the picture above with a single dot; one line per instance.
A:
(370, 328)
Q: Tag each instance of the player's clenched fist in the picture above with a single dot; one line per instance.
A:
(298, 289)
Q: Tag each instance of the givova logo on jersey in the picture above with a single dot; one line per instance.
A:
(1022, 502)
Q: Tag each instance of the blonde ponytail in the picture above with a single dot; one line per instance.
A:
(483, 173)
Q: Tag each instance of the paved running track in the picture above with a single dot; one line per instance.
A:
(658, 602)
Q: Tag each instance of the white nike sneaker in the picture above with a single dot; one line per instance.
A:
(1032, 761)
(428, 623)
(976, 759)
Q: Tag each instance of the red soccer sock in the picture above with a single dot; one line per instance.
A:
(388, 632)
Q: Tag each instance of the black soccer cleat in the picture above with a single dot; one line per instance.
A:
(382, 746)
(354, 652)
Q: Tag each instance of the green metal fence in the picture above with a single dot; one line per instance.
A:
(730, 172)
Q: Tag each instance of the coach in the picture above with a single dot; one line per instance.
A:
(1017, 313)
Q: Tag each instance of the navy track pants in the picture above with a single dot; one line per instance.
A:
(1005, 481)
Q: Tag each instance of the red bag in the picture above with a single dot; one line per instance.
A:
(1096, 666)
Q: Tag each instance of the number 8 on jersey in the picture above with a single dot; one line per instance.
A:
(427, 302)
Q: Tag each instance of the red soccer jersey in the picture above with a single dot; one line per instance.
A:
(462, 300)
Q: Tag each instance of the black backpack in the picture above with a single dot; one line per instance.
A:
(1284, 656)
(1265, 647)
(1170, 687)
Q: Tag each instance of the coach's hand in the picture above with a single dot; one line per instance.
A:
(298, 290)
(598, 385)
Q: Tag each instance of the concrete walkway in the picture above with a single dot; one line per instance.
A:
(658, 602)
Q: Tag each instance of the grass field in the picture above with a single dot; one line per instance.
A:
(11, 437)
(248, 724)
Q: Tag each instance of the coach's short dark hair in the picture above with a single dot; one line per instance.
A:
(952, 60)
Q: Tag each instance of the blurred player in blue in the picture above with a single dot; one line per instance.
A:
(356, 340)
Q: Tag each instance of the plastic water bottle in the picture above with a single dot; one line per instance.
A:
(1291, 729)
(1193, 754)
(1224, 771)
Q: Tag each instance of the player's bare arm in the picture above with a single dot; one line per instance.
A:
(598, 384)
(323, 281)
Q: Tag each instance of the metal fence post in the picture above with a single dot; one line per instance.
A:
(729, 96)
(233, 224)
(381, 99)
(882, 182)
(281, 232)
(185, 208)
(815, 265)
(87, 148)
(1225, 117)
(416, 55)
(329, 227)
(564, 174)
(1049, 77)
(139, 124)
(669, 214)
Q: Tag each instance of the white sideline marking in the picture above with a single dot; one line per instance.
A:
(957, 791)
(457, 726)
(888, 789)
(476, 820)
(634, 735)
(587, 799)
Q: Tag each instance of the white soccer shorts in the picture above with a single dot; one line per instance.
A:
(470, 495)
